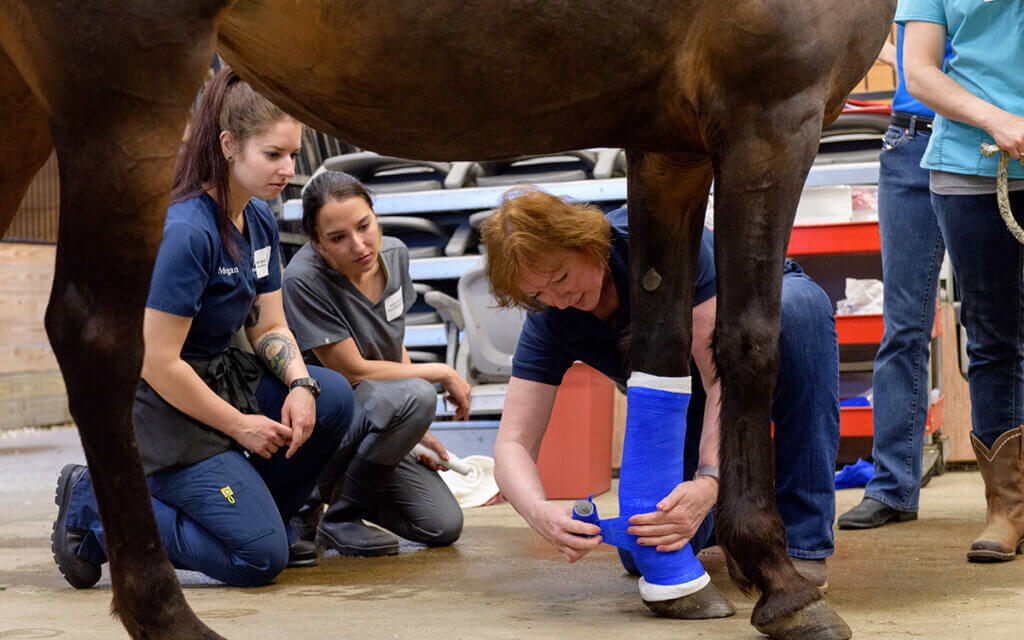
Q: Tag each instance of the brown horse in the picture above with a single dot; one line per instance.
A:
(734, 91)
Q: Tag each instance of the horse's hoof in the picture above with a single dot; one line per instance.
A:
(816, 621)
(709, 602)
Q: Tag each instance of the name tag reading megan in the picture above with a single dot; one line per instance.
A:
(393, 306)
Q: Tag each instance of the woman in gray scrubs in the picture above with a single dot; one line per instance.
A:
(346, 293)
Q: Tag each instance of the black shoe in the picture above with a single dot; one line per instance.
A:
(307, 519)
(353, 538)
(65, 540)
(303, 553)
(871, 513)
(302, 528)
(342, 527)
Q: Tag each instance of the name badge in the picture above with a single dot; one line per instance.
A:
(394, 305)
(261, 260)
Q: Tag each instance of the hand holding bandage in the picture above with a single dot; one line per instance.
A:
(678, 517)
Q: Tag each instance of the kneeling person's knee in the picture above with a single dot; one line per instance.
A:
(806, 309)
(423, 397)
(446, 530)
(259, 561)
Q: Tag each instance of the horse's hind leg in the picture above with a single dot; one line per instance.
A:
(114, 180)
(110, 228)
(116, 116)
(761, 162)
(25, 152)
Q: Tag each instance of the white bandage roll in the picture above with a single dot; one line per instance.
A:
(453, 462)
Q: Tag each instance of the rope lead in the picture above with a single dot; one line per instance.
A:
(1002, 189)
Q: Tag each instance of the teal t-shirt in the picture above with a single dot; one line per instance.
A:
(987, 37)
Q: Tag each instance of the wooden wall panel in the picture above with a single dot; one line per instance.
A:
(33, 399)
(957, 426)
(31, 388)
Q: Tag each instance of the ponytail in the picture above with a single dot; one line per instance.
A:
(229, 104)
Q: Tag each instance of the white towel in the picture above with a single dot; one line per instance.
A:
(476, 487)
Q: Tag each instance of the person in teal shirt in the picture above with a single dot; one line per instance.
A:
(980, 99)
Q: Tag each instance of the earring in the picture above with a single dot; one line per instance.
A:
(229, 158)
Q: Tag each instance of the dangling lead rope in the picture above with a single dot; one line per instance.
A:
(1002, 189)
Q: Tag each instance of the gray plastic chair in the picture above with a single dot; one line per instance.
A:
(853, 137)
(491, 331)
(554, 167)
(423, 237)
(477, 219)
(490, 334)
(416, 318)
(387, 174)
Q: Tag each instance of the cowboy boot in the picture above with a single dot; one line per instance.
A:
(342, 527)
(1002, 468)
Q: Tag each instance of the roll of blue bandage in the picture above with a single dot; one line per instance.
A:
(585, 511)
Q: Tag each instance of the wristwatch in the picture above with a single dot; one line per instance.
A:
(706, 470)
(310, 383)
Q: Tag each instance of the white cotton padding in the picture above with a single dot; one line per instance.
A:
(662, 383)
(658, 592)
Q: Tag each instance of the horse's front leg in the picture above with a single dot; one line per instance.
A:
(668, 195)
(667, 200)
(761, 159)
(117, 94)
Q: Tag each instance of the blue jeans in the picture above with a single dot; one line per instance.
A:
(805, 410)
(989, 267)
(225, 516)
(912, 251)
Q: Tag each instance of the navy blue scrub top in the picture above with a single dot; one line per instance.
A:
(553, 339)
(196, 277)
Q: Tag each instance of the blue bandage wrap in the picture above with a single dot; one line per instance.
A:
(652, 466)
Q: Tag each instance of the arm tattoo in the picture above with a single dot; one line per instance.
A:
(277, 350)
(253, 318)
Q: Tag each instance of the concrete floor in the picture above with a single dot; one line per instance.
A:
(503, 581)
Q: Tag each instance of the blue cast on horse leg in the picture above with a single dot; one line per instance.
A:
(673, 583)
(652, 465)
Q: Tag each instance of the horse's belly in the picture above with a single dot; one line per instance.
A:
(457, 80)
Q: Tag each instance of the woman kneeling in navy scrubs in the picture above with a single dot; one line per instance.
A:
(231, 442)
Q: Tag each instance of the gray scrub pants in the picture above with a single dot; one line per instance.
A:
(392, 416)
